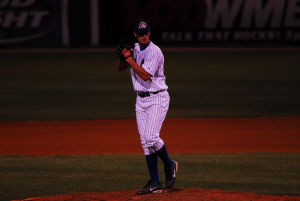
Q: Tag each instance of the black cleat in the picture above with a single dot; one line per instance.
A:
(171, 174)
(151, 187)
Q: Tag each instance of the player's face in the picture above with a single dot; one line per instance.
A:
(143, 38)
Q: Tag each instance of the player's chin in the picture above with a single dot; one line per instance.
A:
(145, 42)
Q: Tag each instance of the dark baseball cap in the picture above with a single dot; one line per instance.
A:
(142, 27)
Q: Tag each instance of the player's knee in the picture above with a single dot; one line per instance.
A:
(153, 142)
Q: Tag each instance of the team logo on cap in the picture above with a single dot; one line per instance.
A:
(142, 25)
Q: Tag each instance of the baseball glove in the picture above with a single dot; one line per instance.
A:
(125, 43)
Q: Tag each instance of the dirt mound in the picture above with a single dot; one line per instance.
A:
(189, 194)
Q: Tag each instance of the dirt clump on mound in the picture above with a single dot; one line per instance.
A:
(189, 194)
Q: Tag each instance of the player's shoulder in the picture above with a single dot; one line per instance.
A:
(154, 48)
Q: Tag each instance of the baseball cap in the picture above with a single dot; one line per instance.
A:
(141, 27)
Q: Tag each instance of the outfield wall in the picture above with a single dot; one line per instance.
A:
(100, 23)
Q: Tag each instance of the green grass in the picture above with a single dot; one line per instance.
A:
(69, 86)
(31, 176)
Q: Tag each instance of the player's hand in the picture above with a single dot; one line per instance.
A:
(123, 54)
(125, 48)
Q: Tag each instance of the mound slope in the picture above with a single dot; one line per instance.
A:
(188, 194)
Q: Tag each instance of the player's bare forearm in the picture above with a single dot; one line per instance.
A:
(138, 69)
(126, 55)
(122, 65)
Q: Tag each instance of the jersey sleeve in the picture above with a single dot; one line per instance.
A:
(152, 61)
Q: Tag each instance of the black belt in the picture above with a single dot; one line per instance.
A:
(146, 93)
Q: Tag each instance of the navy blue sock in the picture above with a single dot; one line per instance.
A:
(164, 156)
(152, 167)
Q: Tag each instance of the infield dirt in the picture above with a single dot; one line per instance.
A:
(202, 135)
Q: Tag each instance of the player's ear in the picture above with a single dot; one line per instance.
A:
(134, 34)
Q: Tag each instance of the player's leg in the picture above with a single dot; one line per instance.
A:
(170, 167)
(150, 114)
(153, 186)
(157, 114)
(150, 155)
(156, 111)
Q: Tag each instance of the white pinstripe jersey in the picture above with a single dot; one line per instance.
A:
(152, 60)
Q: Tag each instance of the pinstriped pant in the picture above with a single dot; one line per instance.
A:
(150, 114)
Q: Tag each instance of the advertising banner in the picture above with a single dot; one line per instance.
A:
(213, 21)
(33, 23)
(101, 23)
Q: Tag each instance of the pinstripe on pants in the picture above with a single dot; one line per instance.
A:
(150, 114)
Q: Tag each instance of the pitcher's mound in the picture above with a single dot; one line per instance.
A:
(188, 194)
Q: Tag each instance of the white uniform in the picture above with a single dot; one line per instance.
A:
(150, 110)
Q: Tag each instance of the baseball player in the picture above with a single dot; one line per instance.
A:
(146, 63)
